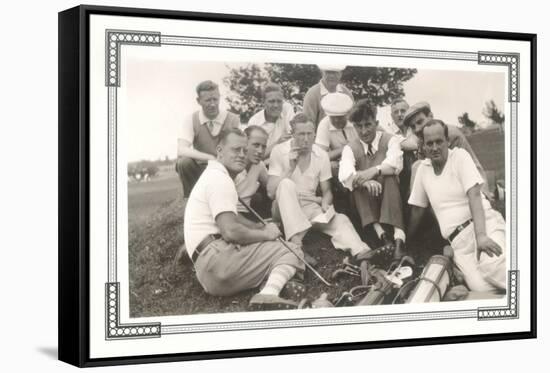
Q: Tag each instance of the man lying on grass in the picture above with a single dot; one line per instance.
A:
(231, 253)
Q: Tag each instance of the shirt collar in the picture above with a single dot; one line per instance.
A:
(218, 120)
(374, 142)
(332, 128)
(324, 90)
(265, 120)
(216, 165)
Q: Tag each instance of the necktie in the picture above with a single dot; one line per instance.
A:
(370, 152)
(211, 127)
(344, 133)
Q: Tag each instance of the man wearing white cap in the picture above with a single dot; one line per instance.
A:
(329, 83)
(369, 168)
(335, 131)
(297, 168)
(417, 116)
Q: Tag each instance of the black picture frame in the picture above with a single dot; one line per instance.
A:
(74, 183)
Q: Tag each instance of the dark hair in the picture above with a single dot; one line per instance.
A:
(224, 134)
(248, 130)
(361, 110)
(398, 100)
(433, 122)
(271, 87)
(300, 118)
(207, 85)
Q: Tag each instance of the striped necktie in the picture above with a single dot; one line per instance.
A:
(370, 151)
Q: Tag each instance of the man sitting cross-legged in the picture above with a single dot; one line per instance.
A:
(231, 253)
(297, 168)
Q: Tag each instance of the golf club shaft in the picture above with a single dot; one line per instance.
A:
(261, 220)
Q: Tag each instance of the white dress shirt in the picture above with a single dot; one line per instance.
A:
(394, 158)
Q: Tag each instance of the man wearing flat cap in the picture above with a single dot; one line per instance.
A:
(369, 168)
(417, 116)
(329, 83)
(335, 131)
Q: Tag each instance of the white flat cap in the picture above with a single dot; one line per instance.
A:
(415, 109)
(331, 67)
(336, 104)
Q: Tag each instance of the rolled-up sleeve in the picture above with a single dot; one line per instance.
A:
(394, 155)
(346, 172)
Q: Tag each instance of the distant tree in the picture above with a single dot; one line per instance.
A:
(245, 84)
(380, 85)
(468, 125)
(492, 113)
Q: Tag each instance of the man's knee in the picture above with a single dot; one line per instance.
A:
(286, 186)
(184, 163)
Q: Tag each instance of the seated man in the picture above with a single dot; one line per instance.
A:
(329, 83)
(416, 117)
(229, 252)
(251, 183)
(200, 135)
(334, 130)
(449, 181)
(274, 118)
(297, 168)
(369, 167)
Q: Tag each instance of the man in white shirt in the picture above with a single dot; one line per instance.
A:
(449, 181)
(251, 183)
(369, 168)
(334, 130)
(231, 253)
(297, 168)
(274, 118)
(329, 83)
(199, 135)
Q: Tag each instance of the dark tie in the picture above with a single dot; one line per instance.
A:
(344, 133)
(370, 152)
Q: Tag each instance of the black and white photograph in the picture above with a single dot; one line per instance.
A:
(268, 185)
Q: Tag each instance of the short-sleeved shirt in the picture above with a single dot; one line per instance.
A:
(274, 130)
(307, 181)
(214, 193)
(446, 193)
(332, 137)
(248, 182)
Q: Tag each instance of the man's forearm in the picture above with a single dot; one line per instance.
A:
(335, 154)
(476, 209)
(249, 224)
(243, 235)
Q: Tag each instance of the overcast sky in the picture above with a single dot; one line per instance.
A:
(160, 94)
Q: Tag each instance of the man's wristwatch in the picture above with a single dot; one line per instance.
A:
(379, 169)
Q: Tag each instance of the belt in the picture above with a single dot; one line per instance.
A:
(203, 244)
(459, 229)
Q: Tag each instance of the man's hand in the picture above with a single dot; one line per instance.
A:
(272, 231)
(284, 137)
(488, 246)
(373, 187)
(363, 176)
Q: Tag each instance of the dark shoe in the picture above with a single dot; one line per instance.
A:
(294, 290)
(386, 239)
(268, 302)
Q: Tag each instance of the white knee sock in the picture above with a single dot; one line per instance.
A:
(399, 234)
(278, 277)
(379, 230)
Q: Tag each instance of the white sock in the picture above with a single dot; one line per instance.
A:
(379, 230)
(399, 234)
(278, 277)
